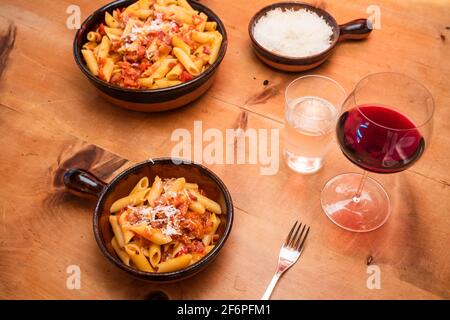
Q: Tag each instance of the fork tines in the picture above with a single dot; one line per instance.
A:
(297, 240)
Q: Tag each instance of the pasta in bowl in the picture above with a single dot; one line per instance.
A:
(164, 227)
(151, 55)
(154, 226)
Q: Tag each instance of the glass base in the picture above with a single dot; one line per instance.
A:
(300, 164)
(366, 213)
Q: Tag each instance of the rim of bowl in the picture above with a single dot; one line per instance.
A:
(262, 11)
(164, 276)
(117, 4)
(422, 124)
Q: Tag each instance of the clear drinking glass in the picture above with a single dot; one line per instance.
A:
(385, 127)
(312, 105)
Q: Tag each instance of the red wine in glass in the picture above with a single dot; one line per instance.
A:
(379, 139)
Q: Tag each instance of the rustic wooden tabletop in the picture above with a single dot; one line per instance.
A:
(52, 119)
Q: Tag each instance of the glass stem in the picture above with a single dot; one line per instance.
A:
(356, 198)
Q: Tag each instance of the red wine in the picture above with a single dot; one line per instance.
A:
(379, 139)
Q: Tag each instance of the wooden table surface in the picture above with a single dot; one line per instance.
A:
(52, 119)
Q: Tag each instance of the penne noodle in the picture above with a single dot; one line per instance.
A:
(184, 4)
(138, 257)
(175, 72)
(164, 68)
(94, 36)
(208, 203)
(131, 8)
(199, 62)
(108, 69)
(91, 62)
(111, 21)
(203, 37)
(130, 200)
(144, 4)
(175, 263)
(127, 233)
(215, 48)
(162, 83)
(177, 185)
(155, 191)
(141, 185)
(143, 13)
(210, 26)
(197, 207)
(154, 254)
(179, 43)
(121, 253)
(186, 61)
(117, 231)
(201, 26)
(103, 48)
(146, 82)
(154, 235)
(177, 249)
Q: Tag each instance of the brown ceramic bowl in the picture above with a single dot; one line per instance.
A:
(85, 184)
(148, 100)
(354, 30)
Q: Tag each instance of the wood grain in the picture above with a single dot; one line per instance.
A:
(52, 119)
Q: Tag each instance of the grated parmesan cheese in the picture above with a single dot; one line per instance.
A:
(293, 33)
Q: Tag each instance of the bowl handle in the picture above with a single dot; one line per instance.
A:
(355, 30)
(83, 183)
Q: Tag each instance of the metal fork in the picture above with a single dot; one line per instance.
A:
(289, 254)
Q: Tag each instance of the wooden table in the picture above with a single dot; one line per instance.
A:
(52, 119)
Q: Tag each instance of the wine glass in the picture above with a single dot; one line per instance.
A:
(384, 127)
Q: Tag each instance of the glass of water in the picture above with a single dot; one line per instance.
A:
(312, 105)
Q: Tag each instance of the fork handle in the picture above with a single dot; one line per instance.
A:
(271, 286)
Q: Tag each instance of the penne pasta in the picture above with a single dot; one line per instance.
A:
(203, 37)
(163, 83)
(155, 191)
(127, 233)
(108, 69)
(94, 36)
(175, 72)
(124, 51)
(215, 48)
(184, 4)
(111, 21)
(208, 203)
(154, 235)
(130, 200)
(138, 257)
(103, 49)
(166, 227)
(179, 43)
(154, 254)
(197, 207)
(142, 184)
(121, 253)
(210, 26)
(175, 263)
(186, 61)
(91, 62)
(177, 185)
(164, 68)
(117, 231)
